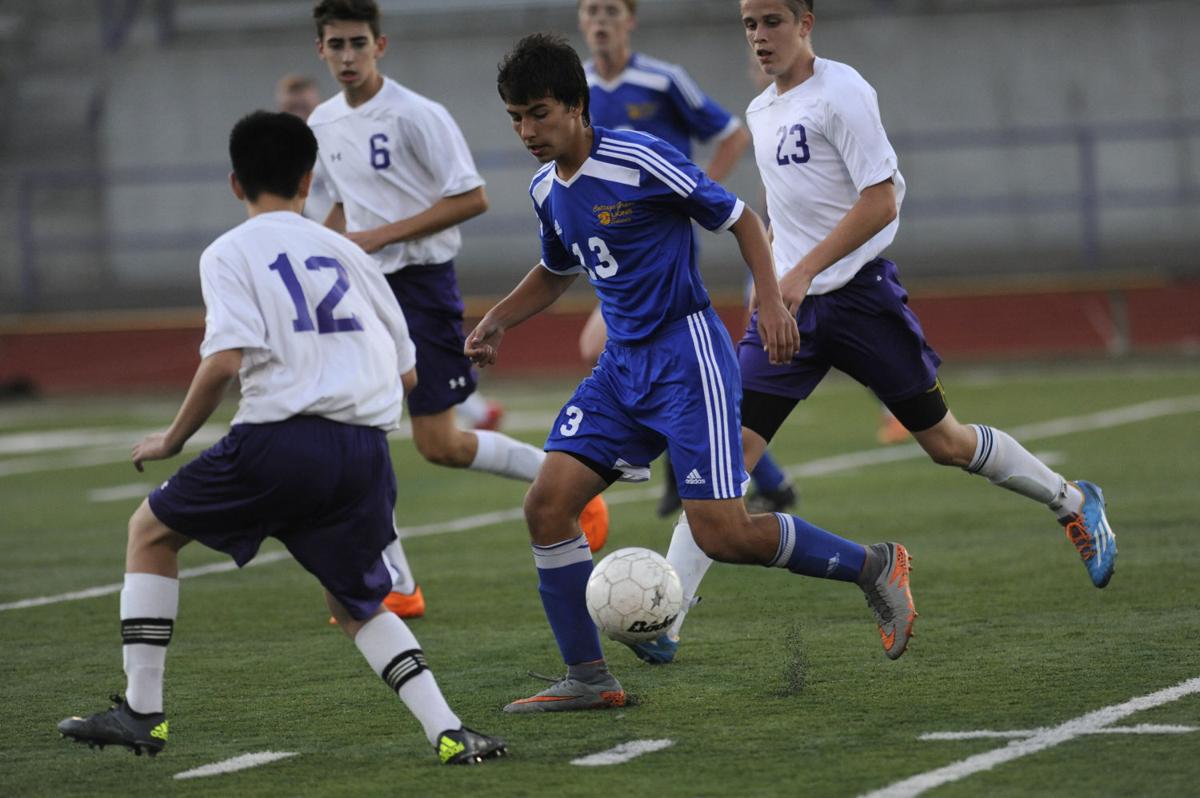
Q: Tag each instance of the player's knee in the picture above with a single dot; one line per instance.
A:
(548, 522)
(718, 544)
(443, 450)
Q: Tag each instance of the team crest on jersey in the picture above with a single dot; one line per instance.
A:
(636, 111)
(616, 213)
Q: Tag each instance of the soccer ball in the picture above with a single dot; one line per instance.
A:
(634, 595)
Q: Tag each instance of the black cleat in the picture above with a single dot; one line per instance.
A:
(771, 501)
(468, 747)
(118, 726)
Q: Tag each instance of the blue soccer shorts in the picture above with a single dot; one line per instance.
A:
(679, 391)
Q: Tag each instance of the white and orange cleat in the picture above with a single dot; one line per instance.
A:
(884, 580)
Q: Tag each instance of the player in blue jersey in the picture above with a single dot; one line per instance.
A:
(299, 316)
(632, 91)
(618, 206)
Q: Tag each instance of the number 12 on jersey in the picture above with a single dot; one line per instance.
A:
(326, 321)
(606, 264)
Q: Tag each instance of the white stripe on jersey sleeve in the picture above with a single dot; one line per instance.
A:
(541, 184)
(687, 87)
(651, 161)
(611, 172)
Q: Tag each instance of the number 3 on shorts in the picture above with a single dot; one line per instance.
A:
(574, 419)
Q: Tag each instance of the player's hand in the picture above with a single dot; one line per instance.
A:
(369, 240)
(779, 333)
(483, 344)
(153, 447)
(793, 287)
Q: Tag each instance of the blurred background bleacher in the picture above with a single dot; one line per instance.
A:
(1041, 141)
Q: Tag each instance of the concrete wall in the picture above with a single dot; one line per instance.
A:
(1108, 67)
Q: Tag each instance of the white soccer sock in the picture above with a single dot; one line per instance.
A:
(691, 563)
(506, 457)
(394, 653)
(472, 410)
(149, 606)
(397, 565)
(1008, 464)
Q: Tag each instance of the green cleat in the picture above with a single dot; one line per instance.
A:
(118, 726)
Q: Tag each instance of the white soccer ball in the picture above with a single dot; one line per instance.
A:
(634, 595)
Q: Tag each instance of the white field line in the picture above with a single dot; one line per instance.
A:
(814, 468)
(1017, 734)
(104, 590)
(136, 490)
(236, 763)
(102, 446)
(1043, 739)
(622, 753)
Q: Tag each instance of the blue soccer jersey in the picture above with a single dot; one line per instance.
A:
(658, 98)
(624, 219)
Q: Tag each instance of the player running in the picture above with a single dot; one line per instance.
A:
(618, 206)
(834, 191)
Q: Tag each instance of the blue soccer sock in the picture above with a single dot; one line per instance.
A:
(563, 571)
(811, 551)
(767, 475)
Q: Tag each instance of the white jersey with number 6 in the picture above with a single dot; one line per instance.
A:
(818, 145)
(391, 158)
(319, 330)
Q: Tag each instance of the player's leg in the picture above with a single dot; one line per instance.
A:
(392, 651)
(339, 538)
(773, 491)
(564, 563)
(901, 368)
(994, 454)
(769, 395)
(149, 606)
(479, 412)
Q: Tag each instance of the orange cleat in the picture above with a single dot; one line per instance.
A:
(594, 523)
(891, 431)
(492, 418)
(405, 605)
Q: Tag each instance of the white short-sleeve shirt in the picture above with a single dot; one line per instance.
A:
(392, 158)
(818, 145)
(319, 330)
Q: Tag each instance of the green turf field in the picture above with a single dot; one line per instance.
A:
(780, 687)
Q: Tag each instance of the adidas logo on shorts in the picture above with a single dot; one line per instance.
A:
(694, 478)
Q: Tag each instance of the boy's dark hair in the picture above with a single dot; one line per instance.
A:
(270, 153)
(327, 11)
(543, 65)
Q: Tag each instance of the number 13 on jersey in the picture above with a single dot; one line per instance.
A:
(606, 264)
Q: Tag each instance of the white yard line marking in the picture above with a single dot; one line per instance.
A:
(137, 490)
(814, 468)
(622, 753)
(1043, 739)
(104, 590)
(1017, 734)
(237, 763)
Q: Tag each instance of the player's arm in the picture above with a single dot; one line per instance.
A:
(213, 378)
(409, 380)
(446, 212)
(336, 220)
(538, 291)
(727, 152)
(874, 210)
(776, 322)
